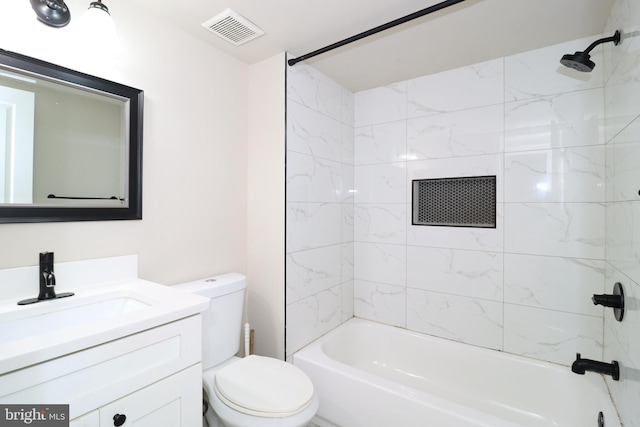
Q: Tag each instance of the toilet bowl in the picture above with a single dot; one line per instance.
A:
(259, 391)
(254, 391)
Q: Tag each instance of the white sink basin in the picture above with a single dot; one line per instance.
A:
(48, 316)
(37, 332)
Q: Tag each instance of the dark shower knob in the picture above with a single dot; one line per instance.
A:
(615, 301)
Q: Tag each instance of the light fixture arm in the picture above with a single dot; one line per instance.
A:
(99, 5)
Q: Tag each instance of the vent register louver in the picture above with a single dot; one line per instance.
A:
(233, 27)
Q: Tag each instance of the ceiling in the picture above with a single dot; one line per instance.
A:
(466, 33)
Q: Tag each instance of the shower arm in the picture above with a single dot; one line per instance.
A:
(614, 38)
(410, 17)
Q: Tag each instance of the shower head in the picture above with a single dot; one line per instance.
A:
(578, 61)
(581, 61)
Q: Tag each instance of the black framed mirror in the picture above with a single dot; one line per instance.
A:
(70, 144)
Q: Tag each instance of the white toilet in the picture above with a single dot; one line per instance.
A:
(252, 391)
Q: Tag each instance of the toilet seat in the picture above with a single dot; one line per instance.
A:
(264, 387)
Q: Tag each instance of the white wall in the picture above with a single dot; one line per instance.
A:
(195, 154)
(266, 205)
(622, 133)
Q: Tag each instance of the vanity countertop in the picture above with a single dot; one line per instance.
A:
(95, 314)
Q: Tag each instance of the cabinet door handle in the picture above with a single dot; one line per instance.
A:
(119, 419)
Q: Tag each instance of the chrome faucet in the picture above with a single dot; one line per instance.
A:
(580, 366)
(47, 281)
(47, 277)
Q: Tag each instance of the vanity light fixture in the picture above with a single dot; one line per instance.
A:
(54, 13)
(99, 31)
(98, 15)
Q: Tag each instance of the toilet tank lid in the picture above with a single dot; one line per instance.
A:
(215, 286)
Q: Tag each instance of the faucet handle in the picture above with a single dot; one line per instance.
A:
(614, 300)
(50, 279)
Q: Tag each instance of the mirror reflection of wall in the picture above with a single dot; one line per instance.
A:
(16, 145)
(79, 144)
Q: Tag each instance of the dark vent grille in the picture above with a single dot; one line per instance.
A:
(456, 202)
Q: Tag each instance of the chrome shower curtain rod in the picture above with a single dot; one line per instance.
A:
(418, 14)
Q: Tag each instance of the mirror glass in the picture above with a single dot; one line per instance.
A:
(70, 144)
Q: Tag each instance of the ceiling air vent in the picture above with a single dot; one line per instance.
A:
(233, 27)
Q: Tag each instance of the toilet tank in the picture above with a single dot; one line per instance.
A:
(222, 321)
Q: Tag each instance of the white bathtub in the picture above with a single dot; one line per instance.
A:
(368, 375)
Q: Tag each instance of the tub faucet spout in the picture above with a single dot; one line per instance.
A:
(580, 366)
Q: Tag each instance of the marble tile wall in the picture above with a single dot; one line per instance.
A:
(622, 134)
(319, 213)
(520, 287)
(565, 148)
(525, 286)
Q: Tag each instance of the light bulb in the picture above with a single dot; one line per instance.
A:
(99, 29)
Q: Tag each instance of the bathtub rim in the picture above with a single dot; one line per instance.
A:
(314, 353)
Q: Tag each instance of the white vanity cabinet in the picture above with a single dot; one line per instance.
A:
(170, 402)
(92, 419)
(150, 378)
(120, 345)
